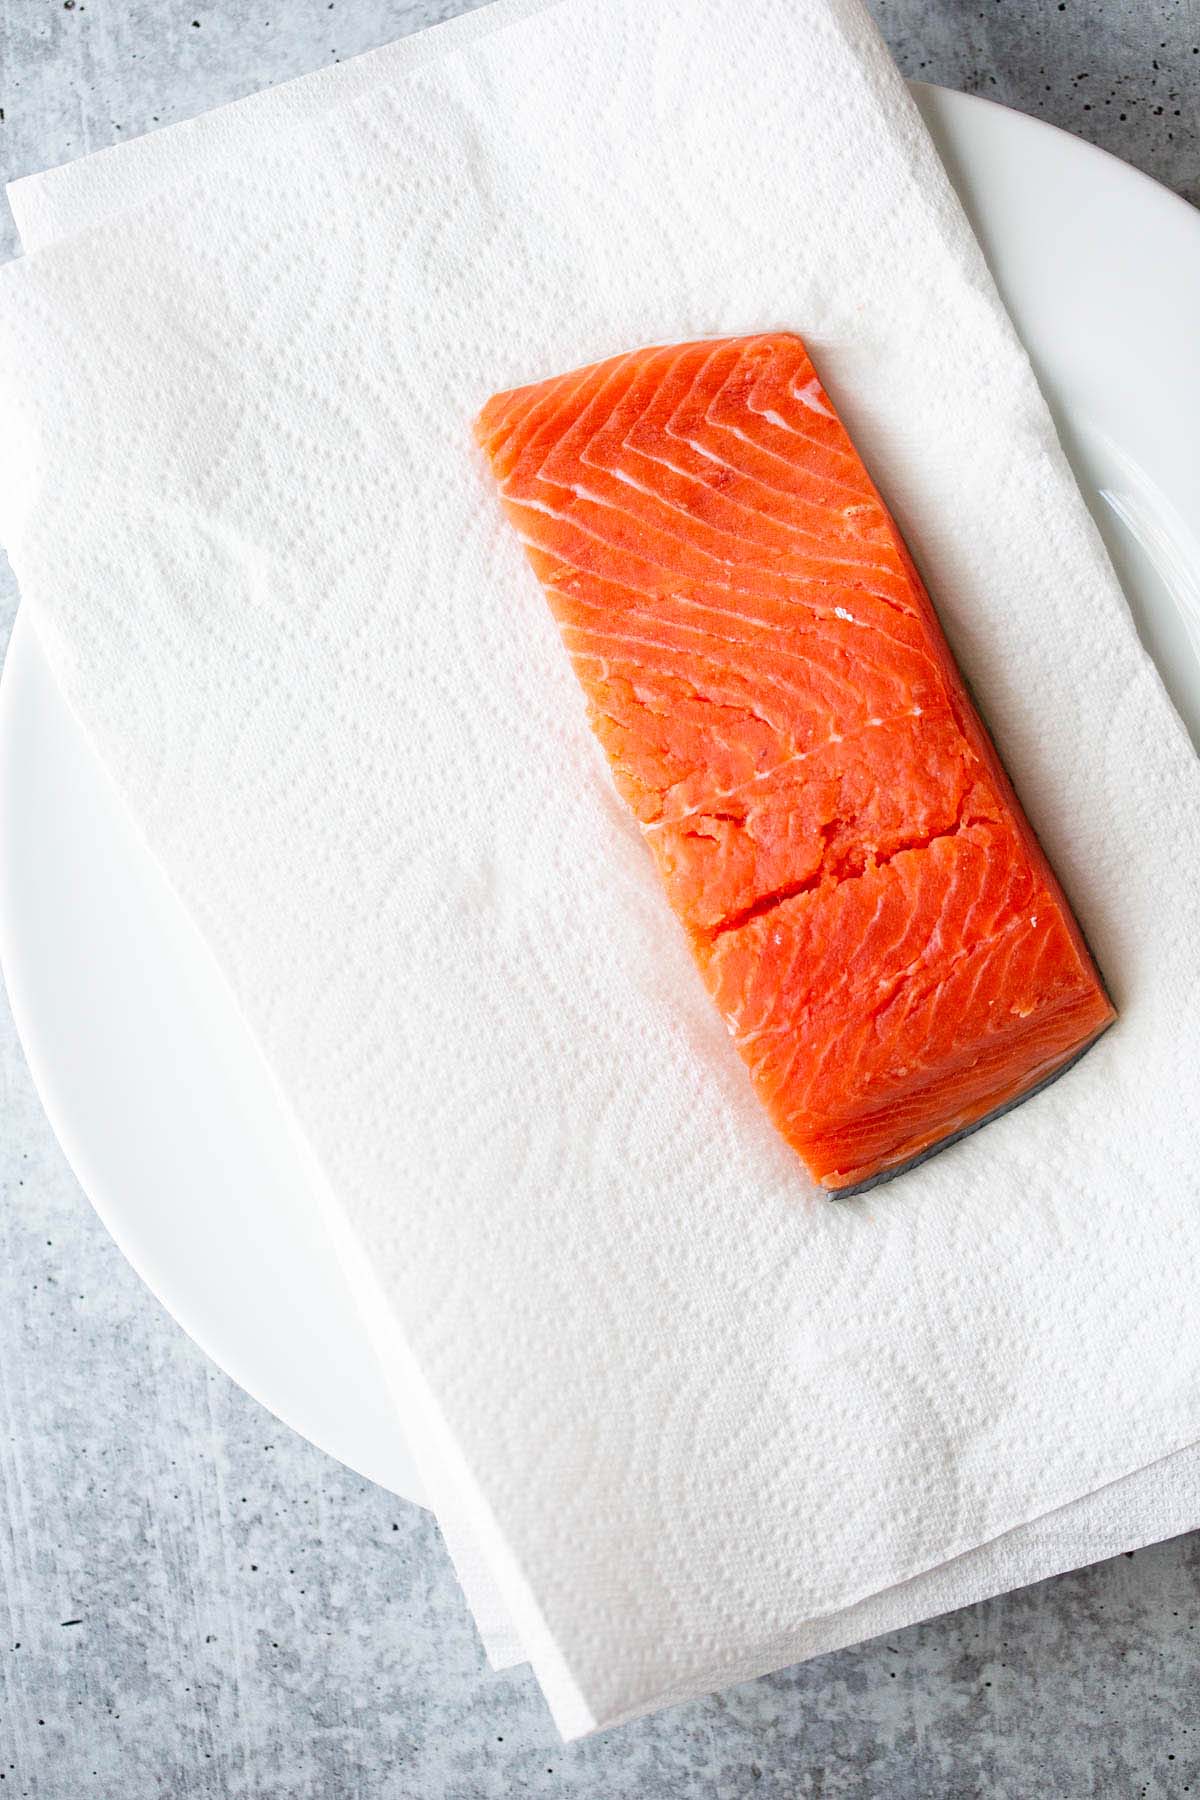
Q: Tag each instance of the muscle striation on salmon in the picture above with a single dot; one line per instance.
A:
(863, 895)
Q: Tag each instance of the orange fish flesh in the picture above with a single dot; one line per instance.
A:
(863, 895)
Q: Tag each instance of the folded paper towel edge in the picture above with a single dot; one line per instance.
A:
(453, 1490)
(447, 1470)
(52, 205)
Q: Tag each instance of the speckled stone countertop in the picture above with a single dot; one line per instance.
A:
(194, 1601)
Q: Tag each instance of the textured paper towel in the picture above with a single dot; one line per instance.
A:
(693, 1406)
(1144, 1506)
(55, 203)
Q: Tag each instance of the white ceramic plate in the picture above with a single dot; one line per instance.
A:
(159, 1100)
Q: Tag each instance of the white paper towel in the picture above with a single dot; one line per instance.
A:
(695, 1411)
(1144, 1506)
(55, 203)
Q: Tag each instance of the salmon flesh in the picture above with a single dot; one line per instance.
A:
(866, 902)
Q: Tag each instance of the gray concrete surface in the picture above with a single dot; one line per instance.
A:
(198, 1603)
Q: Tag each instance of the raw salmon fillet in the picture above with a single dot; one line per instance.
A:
(866, 902)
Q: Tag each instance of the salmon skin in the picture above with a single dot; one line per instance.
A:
(866, 902)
